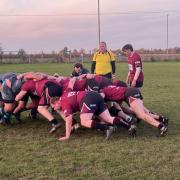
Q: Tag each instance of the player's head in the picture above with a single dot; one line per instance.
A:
(54, 91)
(78, 67)
(102, 47)
(128, 48)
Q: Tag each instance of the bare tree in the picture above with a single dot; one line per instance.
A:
(22, 55)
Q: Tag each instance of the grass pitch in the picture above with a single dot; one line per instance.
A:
(27, 151)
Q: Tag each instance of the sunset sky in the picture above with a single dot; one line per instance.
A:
(51, 25)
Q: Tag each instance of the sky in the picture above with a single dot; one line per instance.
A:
(43, 25)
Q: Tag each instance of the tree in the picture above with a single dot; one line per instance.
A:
(22, 54)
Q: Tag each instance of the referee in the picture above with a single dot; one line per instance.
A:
(103, 62)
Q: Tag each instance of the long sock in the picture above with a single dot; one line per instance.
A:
(54, 121)
(96, 125)
(120, 122)
(34, 110)
(7, 117)
(1, 112)
(34, 113)
(4, 114)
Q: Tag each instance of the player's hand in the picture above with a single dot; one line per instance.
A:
(133, 84)
(63, 138)
(90, 76)
(113, 76)
(82, 76)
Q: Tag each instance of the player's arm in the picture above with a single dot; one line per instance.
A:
(138, 71)
(61, 114)
(20, 95)
(34, 76)
(71, 83)
(127, 78)
(90, 76)
(68, 121)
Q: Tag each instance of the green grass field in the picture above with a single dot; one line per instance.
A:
(27, 151)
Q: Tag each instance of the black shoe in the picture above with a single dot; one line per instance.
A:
(54, 127)
(132, 131)
(32, 114)
(163, 131)
(109, 132)
(2, 121)
(18, 117)
(7, 118)
(164, 120)
(129, 119)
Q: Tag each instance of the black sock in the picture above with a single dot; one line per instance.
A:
(34, 111)
(17, 116)
(120, 122)
(160, 126)
(97, 125)
(54, 122)
(1, 112)
(161, 118)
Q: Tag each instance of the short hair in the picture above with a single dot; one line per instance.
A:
(54, 91)
(103, 43)
(127, 47)
(78, 65)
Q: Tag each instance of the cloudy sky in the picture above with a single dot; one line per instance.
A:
(36, 25)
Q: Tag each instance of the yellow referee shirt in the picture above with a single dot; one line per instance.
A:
(103, 62)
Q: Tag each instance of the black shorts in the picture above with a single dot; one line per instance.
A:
(92, 103)
(132, 92)
(26, 97)
(139, 84)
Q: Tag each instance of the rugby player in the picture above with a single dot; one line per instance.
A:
(132, 96)
(135, 75)
(88, 103)
(45, 89)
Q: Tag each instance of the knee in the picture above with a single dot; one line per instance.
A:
(83, 122)
(8, 108)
